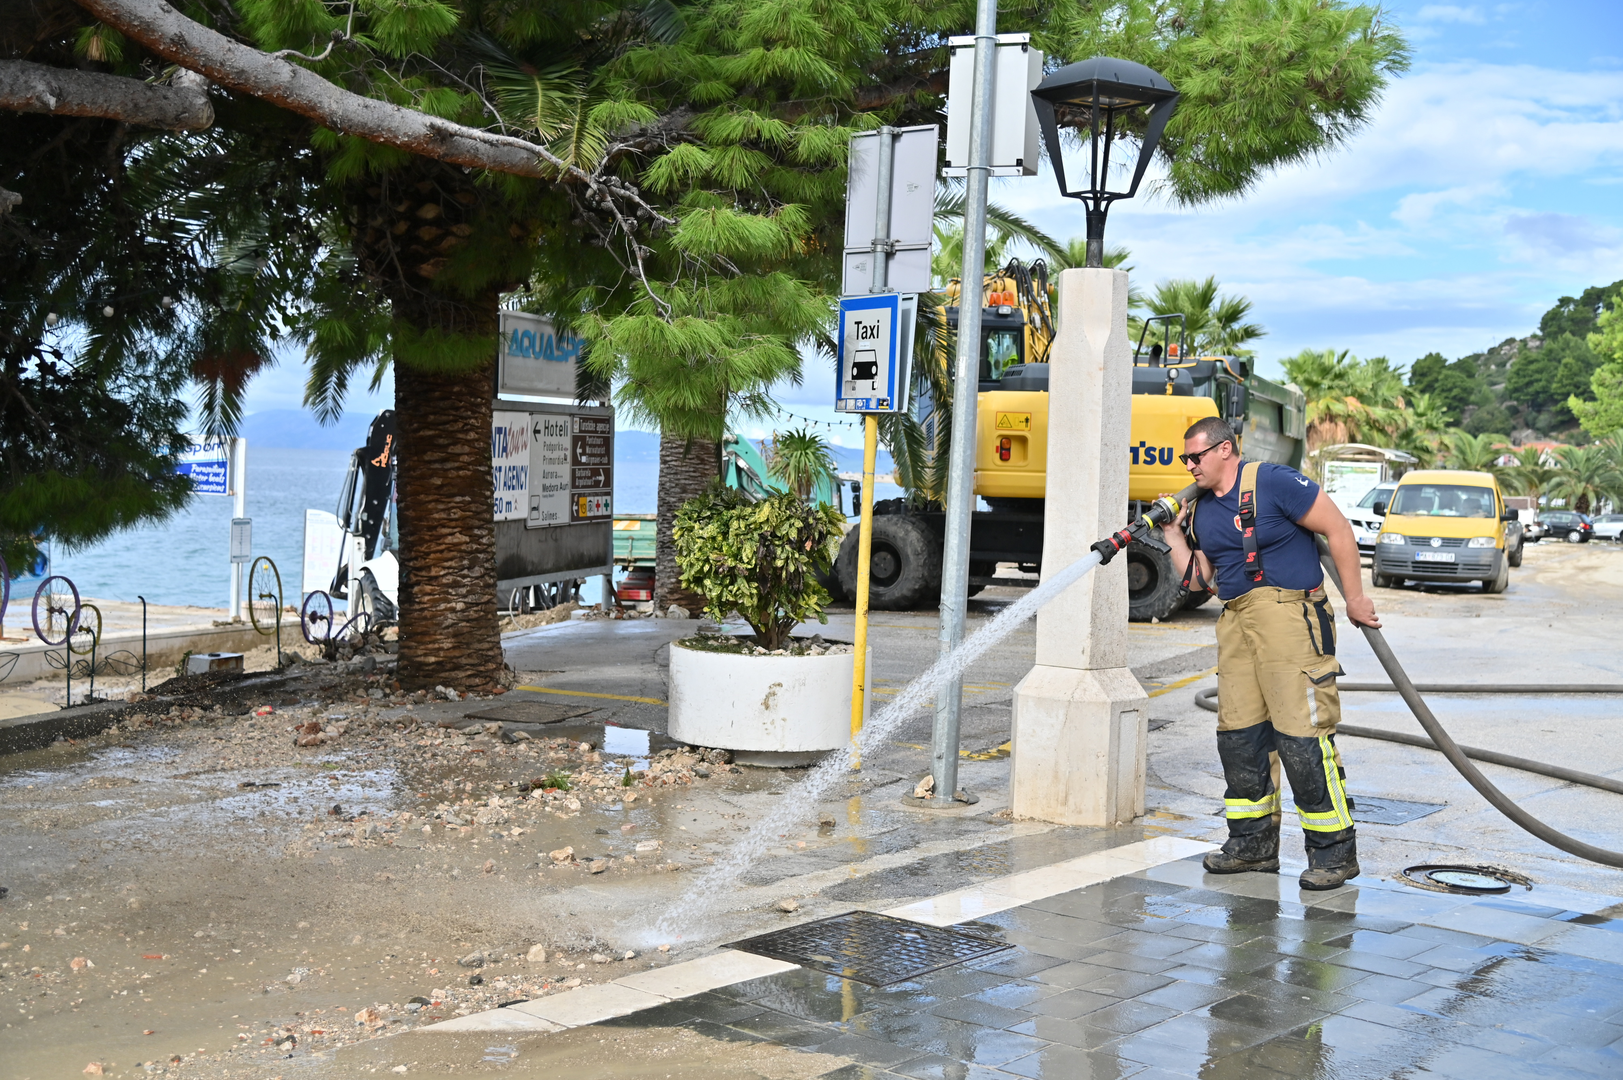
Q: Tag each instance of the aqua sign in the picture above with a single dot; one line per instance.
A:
(533, 359)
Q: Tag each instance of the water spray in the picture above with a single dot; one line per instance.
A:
(719, 879)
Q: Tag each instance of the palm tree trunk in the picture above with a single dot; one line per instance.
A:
(686, 468)
(449, 634)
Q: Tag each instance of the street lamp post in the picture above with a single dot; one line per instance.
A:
(1107, 98)
(1080, 715)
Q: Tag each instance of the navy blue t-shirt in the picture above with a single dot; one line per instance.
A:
(1290, 556)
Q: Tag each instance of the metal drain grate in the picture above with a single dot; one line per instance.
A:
(1375, 811)
(869, 948)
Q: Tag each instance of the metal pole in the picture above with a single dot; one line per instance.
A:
(961, 471)
(881, 228)
(237, 470)
(143, 643)
(859, 676)
(880, 249)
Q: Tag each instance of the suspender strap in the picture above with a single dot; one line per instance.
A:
(1327, 627)
(1187, 585)
(1248, 521)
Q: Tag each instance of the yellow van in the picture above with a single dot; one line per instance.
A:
(1443, 525)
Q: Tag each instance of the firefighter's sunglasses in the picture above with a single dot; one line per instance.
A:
(1194, 459)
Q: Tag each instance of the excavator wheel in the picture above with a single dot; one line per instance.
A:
(1152, 584)
(904, 567)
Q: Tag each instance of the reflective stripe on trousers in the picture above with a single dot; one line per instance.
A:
(1339, 816)
(1239, 809)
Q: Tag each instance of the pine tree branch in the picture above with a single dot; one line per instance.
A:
(40, 88)
(240, 67)
(270, 78)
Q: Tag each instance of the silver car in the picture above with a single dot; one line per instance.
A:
(1365, 522)
(1608, 527)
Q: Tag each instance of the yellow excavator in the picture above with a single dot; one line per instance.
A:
(1171, 390)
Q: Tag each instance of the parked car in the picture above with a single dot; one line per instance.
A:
(1608, 526)
(1534, 530)
(1568, 525)
(1445, 525)
(1365, 521)
(1515, 538)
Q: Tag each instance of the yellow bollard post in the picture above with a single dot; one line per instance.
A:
(870, 449)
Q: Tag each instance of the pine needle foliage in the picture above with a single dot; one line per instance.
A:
(1263, 83)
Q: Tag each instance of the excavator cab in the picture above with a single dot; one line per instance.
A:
(1017, 323)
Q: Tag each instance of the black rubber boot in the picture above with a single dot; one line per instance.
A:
(1221, 862)
(1258, 851)
(1324, 878)
(1319, 786)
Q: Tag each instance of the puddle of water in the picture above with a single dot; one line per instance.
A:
(624, 741)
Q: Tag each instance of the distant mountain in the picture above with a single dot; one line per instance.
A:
(849, 459)
(295, 429)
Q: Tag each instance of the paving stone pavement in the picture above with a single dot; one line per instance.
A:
(1172, 972)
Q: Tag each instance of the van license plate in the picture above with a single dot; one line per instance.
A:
(1434, 556)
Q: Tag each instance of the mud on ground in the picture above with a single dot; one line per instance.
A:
(235, 874)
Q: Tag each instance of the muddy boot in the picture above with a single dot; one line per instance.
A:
(1258, 852)
(1221, 862)
(1329, 866)
(1321, 878)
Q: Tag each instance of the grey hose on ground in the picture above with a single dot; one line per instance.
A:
(1457, 757)
(1207, 699)
(1488, 688)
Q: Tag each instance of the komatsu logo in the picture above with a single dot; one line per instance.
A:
(1145, 454)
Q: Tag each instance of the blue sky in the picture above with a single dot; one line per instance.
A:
(1488, 184)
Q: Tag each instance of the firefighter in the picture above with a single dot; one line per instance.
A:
(1250, 539)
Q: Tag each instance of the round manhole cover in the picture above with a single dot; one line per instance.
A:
(1465, 880)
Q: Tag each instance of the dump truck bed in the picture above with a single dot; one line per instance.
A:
(634, 540)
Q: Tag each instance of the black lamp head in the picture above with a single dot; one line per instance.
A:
(1107, 98)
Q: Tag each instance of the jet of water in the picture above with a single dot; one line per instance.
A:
(796, 805)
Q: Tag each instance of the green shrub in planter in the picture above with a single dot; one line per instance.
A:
(760, 559)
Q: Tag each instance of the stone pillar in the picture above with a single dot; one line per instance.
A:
(1079, 715)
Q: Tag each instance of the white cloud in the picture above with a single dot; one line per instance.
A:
(1565, 238)
(1472, 125)
(1432, 230)
(1419, 208)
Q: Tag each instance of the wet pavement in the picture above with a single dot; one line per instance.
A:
(125, 848)
(1171, 972)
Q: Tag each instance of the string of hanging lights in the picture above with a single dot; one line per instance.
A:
(785, 414)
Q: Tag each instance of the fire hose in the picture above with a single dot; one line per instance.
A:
(1207, 699)
(1164, 511)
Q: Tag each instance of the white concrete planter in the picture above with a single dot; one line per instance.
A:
(770, 710)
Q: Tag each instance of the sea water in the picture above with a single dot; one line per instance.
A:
(186, 558)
